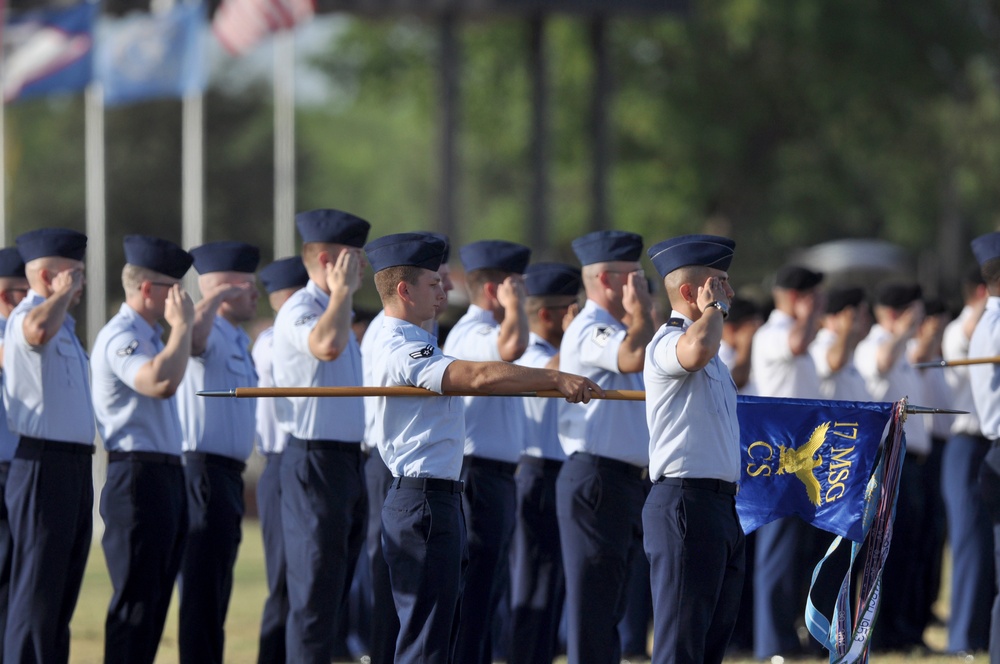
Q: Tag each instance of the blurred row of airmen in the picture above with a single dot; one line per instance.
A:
(460, 505)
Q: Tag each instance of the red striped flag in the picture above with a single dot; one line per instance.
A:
(240, 24)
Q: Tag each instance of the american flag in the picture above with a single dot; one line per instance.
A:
(240, 24)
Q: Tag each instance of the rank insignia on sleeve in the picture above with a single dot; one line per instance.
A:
(128, 350)
(426, 351)
(484, 330)
(675, 322)
(602, 334)
(305, 319)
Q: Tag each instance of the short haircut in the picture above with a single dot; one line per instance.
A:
(991, 271)
(386, 280)
(533, 303)
(476, 279)
(134, 275)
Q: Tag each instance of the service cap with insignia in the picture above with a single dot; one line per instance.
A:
(425, 250)
(284, 273)
(45, 242)
(705, 250)
(495, 255)
(333, 227)
(157, 254)
(607, 246)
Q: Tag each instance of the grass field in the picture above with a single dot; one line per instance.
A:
(243, 623)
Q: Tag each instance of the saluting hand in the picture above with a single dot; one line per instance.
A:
(571, 312)
(712, 290)
(577, 389)
(636, 299)
(511, 293)
(179, 307)
(345, 272)
(68, 281)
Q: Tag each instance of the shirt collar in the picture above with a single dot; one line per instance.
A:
(133, 316)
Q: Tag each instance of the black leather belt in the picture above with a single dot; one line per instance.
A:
(505, 467)
(145, 457)
(638, 472)
(541, 462)
(719, 486)
(429, 484)
(338, 445)
(217, 460)
(54, 445)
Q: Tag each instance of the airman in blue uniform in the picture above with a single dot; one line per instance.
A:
(218, 439)
(603, 484)
(495, 328)
(50, 491)
(135, 377)
(281, 279)
(323, 499)
(692, 535)
(13, 288)
(538, 588)
(422, 440)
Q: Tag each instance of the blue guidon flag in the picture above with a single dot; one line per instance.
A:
(808, 458)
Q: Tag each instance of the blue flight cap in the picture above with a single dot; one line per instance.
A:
(284, 273)
(11, 264)
(495, 255)
(332, 227)
(704, 250)
(838, 299)
(607, 246)
(447, 245)
(898, 295)
(797, 278)
(45, 242)
(157, 254)
(406, 249)
(226, 256)
(986, 247)
(541, 279)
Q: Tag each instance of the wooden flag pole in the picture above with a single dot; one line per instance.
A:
(244, 392)
(957, 363)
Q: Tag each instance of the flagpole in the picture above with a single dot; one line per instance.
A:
(937, 364)
(193, 167)
(284, 144)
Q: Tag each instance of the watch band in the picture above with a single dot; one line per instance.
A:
(721, 306)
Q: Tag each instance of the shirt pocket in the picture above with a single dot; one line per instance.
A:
(69, 358)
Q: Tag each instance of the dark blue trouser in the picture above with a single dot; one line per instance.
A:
(989, 482)
(633, 628)
(271, 648)
(599, 504)
(488, 504)
(6, 551)
(424, 541)
(384, 621)
(970, 534)
(538, 587)
(781, 579)
(696, 556)
(215, 517)
(145, 525)
(323, 510)
(50, 499)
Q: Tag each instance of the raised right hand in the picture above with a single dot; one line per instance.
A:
(345, 272)
(511, 293)
(179, 307)
(636, 299)
(68, 281)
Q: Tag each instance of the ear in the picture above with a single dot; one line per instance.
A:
(490, 290)
(688, 293)
(403, 291)
(6, 298)
(545, 315)
(602, 277)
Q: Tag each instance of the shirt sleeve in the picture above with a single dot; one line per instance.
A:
(126, 354)
(599, 346)
(419, 364)
(663, 355)
(298, 325)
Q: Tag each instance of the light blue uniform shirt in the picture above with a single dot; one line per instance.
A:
(613, 429)
(216, 425)
(692, 421)
(368, 351)
(985, 378)
(314, 418)
(8, 439)
(129, 421)
(416, 436)
(46, 389)
(270, 438)
(493, 426)
(541, 416)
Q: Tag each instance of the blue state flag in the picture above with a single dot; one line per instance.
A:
(48, 51)
(808, 458)
(153, 56)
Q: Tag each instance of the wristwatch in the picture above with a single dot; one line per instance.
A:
(721, 306)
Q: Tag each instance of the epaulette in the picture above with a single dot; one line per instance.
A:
(675, 322)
